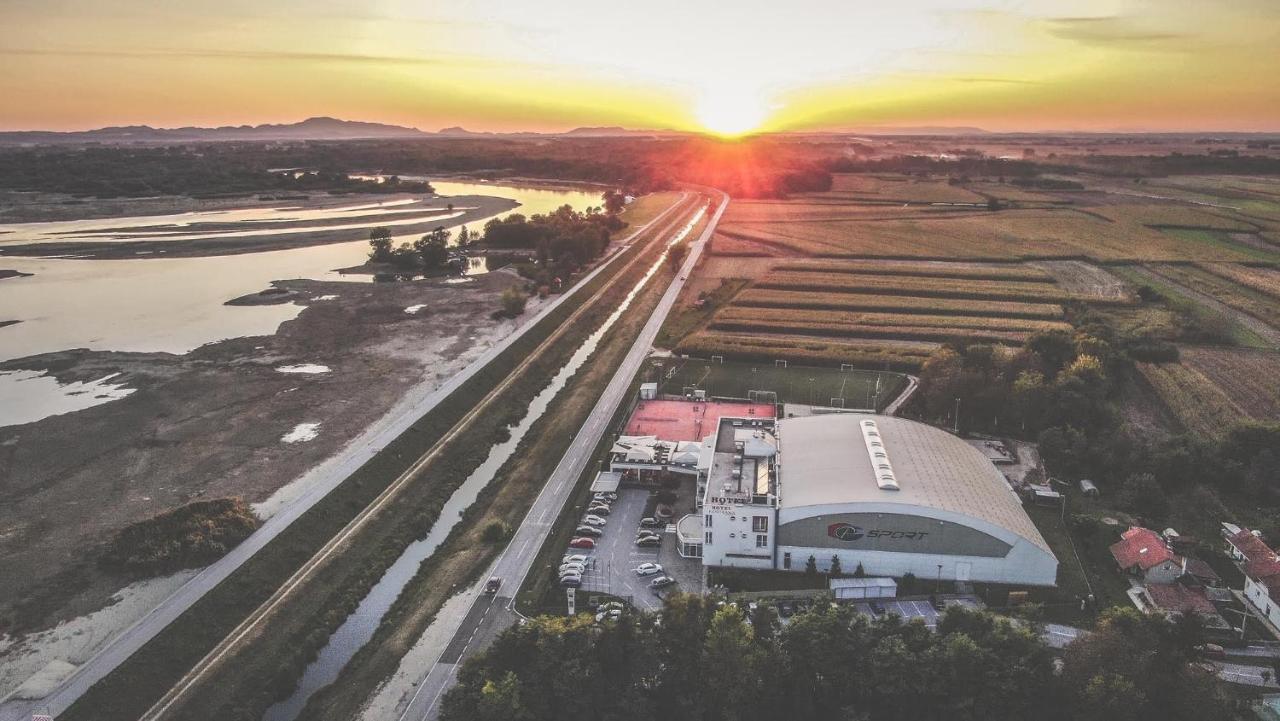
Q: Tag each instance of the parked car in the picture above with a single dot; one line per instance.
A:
(612, 614)
(661, 582)
(592, 531)
(491, 586)
(599, 509)
(649, 523)
(784, 609)
(648, 569)
(648, 541)
(570, 574)
(604, 496)
(578, 568)
(937, 603)
(576, 558)
(645, 533)
(1211, 650)
(583, 542)
(571, 581)
(592, 520)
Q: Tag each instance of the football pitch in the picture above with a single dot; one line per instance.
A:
(791, 384)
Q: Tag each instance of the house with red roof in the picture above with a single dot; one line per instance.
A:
(1261, 569)
(1142, 552)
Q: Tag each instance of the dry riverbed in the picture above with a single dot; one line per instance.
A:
(240, 417)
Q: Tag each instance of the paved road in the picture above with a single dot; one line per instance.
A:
(912, 383)
(474, 631)
(319, 481)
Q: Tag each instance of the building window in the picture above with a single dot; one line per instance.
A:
(708, 520)
(762, 541)
(708, 537)
(786, 561)
(760, 524)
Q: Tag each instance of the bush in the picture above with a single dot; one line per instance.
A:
(495, 532)
(191, 536)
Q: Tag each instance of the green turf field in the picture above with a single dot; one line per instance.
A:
(793, 384)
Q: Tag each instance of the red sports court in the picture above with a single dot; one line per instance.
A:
(689, 420)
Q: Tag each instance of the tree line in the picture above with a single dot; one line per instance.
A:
(700, 660)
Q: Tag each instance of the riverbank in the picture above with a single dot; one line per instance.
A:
(223, 239)
(210, 424)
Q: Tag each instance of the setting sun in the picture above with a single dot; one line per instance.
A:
(731, 111)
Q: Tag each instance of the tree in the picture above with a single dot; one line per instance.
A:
(433, 248)
(513, 300)
(835, 567)
(1142, 494)
(811, 566)
(614, 202)
(676, 254)
(380, 245)
(859, 572)
(1055, 347)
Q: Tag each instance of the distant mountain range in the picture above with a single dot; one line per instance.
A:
(309, 129)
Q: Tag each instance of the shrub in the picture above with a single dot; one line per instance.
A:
(190, 536)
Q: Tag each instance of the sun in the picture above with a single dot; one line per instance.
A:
(730, 111)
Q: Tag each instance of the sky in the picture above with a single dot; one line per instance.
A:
(729, 67)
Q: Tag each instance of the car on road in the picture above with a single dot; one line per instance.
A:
(583, 542)
(661, 582)
(588, 531)
(648, 569)
(593, 520)
(649, 523)
(491, 586)
(576, 558)
(571, 581)
(649, 541)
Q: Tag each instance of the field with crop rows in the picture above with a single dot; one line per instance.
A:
(896, 189)
(1243, 299)
(834, 324)
(1263, 280)
(922, 268)
(763, 298)
(1168, 214)
(892, 354)
(1202, 407)
(1250, 378)
(922, 286)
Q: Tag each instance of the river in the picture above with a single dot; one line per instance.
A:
(175, 305)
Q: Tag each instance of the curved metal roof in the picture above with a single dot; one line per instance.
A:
(824, 460)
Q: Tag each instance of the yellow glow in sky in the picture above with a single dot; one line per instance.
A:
(727, 68)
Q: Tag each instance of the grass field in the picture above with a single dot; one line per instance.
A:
(890, 188)
(827, 323)
(1202, 407)
(1220, 240)
(1247, 300)
(1264, 280)
(1181, 305)
(1249, 378)
(890, 354)
(793, 384)
(922, 286)
(923, 268)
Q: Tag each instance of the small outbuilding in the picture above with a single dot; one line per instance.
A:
(648, 391)
(858, 589)
(1088, 488)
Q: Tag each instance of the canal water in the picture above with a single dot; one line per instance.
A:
(360, 626)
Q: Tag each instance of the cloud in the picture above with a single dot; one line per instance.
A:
(286, 56)
(1116, 31)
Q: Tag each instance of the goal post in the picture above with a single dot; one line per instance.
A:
(837, 402)
(717, 359)
(762, 396)
(846, 367)
(779, 363)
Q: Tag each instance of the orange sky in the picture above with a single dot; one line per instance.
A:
(726, 67)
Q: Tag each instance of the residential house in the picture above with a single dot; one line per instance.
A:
(1143, 553)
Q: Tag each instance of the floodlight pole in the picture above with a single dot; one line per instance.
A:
(957, 417)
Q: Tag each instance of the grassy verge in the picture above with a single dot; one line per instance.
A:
(1189, 308)
(465, 554)
(686, 320)
(149, 673)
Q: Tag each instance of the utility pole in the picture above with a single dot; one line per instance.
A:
(957, 417)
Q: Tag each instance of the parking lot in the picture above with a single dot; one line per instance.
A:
(615, 558)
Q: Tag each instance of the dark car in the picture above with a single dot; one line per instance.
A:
(491, 586)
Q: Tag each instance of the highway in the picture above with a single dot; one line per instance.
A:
(318, 482)
(487, 616)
